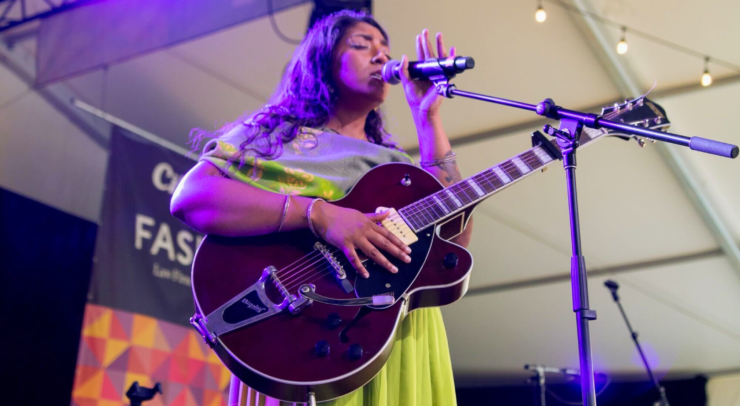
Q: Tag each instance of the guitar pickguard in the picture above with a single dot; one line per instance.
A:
(383, 282)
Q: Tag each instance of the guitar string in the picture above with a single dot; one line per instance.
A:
(415, 211)
(288, 276)
(297, 262)
(423, 211)
(462, 185)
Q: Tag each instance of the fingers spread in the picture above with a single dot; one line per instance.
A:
(373, 253)
(428, 50)
(441, 50)
(381, 241)
(419, 48)
(354, 259)
(392, 238)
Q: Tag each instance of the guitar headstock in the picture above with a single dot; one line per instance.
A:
(641, 112)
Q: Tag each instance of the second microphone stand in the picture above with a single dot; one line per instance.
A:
(613, 286)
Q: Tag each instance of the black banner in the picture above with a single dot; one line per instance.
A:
(143, 254)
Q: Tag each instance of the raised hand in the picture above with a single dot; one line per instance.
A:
(350, 230)
(421, 95)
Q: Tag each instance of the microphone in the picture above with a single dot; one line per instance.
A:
(428, 69)
(543, 368)
(612, 286)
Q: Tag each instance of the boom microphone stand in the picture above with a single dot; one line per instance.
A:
(613, 286)
(567, 135)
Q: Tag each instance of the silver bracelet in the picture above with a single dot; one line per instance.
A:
(285, 213)
(308, 215)
(434, 162)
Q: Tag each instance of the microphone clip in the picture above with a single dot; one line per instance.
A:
(443, 86)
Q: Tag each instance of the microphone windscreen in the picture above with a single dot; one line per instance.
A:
(390, 72)
(611, 285)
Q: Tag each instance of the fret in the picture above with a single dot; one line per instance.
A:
(493, 178)
(542, 154)
(523, 168)
(440, 204)
(467, 191)
(438, 213)
(446, 200)
(501, 175)
(484, 183)
(407, 217)
(453, 198)
(426, 216)
(419, 214)
(511, 170)
(460, 193)
(475, 187)
(531, 159)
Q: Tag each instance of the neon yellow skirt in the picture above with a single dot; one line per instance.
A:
(418, 372)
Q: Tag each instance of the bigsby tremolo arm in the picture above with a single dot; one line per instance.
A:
(249, 306)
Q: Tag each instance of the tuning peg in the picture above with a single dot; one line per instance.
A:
(640, 141)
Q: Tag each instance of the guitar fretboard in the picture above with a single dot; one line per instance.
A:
(453, 199)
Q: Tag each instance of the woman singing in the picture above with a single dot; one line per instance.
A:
(320, 133)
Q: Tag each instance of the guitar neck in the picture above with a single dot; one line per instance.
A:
(452, 200)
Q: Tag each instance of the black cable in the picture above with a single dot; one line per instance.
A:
(275, 27)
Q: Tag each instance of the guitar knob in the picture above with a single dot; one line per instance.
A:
(355, 352)
(451, 260)
(322, 348)
(334, 320)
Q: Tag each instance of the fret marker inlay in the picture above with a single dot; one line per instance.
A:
(453, 198)
(441, 205)
(542, 155)
(501, 175)
(475, 187)
(521, 165)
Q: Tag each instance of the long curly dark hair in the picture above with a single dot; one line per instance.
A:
(306, 95)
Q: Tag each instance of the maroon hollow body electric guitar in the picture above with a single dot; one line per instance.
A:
(289, 316)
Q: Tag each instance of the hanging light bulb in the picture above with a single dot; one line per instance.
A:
(706, 78)
(540, 14)
(622, 45)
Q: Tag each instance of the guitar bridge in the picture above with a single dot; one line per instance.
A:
(339, 271)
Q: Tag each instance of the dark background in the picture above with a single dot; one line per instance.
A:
(45, 262)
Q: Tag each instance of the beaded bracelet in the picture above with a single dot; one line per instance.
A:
(285, 213)
(308, 215)
(434, 162)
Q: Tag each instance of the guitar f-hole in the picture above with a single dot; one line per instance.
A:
(360, 314)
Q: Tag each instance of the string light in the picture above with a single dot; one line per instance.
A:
(540, 14)
(706, 78)
(622, 45)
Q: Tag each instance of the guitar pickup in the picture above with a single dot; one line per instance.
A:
(396, 225)
(339, 271)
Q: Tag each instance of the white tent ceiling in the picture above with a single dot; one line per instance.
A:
(633, 207)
